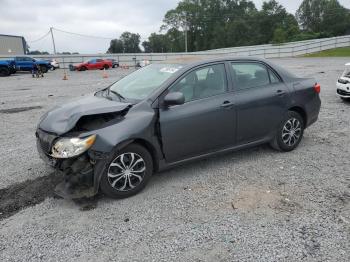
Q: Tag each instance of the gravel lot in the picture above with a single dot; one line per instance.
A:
(251, 205)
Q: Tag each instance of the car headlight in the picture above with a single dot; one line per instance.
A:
(70, 147)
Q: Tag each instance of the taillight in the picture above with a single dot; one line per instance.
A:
(317, 88)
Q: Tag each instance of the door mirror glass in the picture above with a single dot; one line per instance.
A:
(175, 98)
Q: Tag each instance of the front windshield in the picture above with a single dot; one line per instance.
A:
(139, 84)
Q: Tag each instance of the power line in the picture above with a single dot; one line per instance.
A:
(36, 40)
(83, 35)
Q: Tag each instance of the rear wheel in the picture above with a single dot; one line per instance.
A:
(4, 71)
(83, 68)
(106, 67)
(128, 172)
(43, 69)
(290, 133)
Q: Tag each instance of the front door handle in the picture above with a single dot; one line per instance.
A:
(227, 104)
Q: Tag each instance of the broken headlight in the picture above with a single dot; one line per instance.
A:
(70, 147)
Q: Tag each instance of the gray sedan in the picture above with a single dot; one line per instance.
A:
(169, 113)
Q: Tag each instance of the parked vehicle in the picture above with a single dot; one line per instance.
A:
(169, 113)
(143, 63)
(26, 63)
(115, 63)
(54, 64)
(343, 84)
(7, 68)
(93, 64)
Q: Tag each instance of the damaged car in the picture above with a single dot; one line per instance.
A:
(169, 113)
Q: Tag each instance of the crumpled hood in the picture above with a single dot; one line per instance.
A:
(63, 118)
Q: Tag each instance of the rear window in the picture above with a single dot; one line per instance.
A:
(248, 75)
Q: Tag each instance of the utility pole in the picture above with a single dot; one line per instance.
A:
(53, 41)
(185, 29)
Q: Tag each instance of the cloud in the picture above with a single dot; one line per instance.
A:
(107, 18)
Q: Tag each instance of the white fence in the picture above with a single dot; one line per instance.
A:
(291, 49)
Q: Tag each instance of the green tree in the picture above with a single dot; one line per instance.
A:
(116, 46)
(127, 43)
(327, 17)
(279, 36)
(274, 16)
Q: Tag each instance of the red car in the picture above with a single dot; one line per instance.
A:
(93, 64)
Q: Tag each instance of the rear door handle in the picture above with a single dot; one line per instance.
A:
(227, 104)
(280, 92)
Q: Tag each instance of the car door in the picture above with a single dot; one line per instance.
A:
(261, 100)
(205, 122)
(23, 63)
(98, 64)
(92, 64)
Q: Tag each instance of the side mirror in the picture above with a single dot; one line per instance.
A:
(172, 99)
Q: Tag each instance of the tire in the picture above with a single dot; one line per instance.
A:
(106, 67)
(345, 99)
(43, 69)
(4, 71)
(289, 133)
(120, 182)
(83, 68)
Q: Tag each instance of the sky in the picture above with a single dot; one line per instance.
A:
(104, 18)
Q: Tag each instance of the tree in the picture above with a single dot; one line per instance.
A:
(37, 52)
(327, 17)
(157, 43)
(272, 17)
(128, 43)
(279, 36)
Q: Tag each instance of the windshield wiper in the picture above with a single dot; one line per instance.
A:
(116, 93)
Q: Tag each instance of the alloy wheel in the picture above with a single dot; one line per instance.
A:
(126, 171)
(291, 132)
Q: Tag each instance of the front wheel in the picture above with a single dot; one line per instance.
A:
(290, 133)
(43, 69)
(4, 71)
(128, 172)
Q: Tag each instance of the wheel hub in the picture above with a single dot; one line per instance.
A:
(126, 171)
(291, 132)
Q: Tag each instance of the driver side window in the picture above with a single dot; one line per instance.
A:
(201, 83)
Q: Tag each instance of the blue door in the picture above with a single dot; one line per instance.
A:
(24, 63)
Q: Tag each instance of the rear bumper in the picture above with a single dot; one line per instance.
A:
(312, 110)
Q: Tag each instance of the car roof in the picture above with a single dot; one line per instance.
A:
(190, 61)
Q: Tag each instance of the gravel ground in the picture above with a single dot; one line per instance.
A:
(251, 205)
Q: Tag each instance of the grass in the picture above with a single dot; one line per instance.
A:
(336, 52)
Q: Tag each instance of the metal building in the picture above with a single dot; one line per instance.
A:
(12, 45)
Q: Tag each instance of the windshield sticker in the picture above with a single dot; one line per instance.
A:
(170, 70)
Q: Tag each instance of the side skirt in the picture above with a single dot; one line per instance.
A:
(163, 165)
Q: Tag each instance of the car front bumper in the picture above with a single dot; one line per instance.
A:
(343, 90)
(81, 174)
